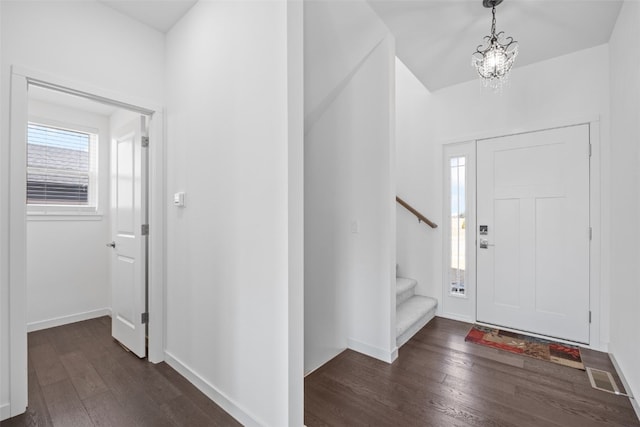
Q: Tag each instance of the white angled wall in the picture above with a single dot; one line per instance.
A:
(84, 42)
(67, 256)
(625, 187)
(228, 262)
(349, 195)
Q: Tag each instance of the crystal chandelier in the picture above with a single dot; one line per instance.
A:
(493, 59)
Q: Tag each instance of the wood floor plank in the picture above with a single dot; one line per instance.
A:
(39, 413)
(38, 338)
(157, 387)
(47, 364)
(83, 375)
(64, 405)
(183, 412)
(105, 411)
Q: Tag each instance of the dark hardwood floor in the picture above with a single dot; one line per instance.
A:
(440, 380)
(79, 376)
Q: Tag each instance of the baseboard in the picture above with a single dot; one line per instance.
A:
(326, 360)
(65, 320)
(371, 351)
(463, 319)
(231, 407)
(5, 411)
(627, 388)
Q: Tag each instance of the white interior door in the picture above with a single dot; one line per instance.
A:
(533, 261)
(129, 263)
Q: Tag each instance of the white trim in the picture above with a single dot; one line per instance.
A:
(455, 306)
(64, 216)
(596, 288)
(5, 411)
(77, 88)
(459, 318)
(65, 320)
(156, 255)
(627, 388)
(225, 402)
(325, 360)
(534, 127)
(18, 382)
(92, 174)
(371, 351)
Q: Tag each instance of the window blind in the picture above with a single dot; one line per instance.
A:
(58, 166)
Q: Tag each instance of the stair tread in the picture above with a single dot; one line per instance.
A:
(412, 310)
(403, 284)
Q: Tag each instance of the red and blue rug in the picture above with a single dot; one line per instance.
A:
(562, 354)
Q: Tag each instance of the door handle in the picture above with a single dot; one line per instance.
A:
(484, 244)
(112, 244)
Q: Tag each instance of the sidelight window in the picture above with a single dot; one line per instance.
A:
(457, 263)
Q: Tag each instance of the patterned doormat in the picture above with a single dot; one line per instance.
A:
(562, 354)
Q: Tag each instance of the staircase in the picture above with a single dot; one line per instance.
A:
(412, 311)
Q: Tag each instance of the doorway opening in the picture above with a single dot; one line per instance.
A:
(60, 165)
(532, 242)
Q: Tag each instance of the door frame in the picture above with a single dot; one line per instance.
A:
(21, 78)
(599, 287)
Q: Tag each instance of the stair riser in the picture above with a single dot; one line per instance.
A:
(403, 296)
(412, 315)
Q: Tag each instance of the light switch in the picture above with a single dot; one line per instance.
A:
(355, 226)
(178, 199)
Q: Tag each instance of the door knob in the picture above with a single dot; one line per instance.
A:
(112, 244)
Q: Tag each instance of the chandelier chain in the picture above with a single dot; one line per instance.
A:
(493, 23)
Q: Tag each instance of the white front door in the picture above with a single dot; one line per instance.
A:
(129, 260)
(533, 261)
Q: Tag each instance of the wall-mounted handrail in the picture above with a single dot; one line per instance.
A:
(421, 218)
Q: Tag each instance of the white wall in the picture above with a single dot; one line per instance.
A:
(349, 171)
(66, 255)
(78, 41)
(417, 157)
(625, 202)
(563, 90)
(228, 323)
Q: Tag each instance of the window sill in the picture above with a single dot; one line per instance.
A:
(64, 216)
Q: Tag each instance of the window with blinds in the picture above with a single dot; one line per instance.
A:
(60, 166)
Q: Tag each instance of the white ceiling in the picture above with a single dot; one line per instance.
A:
(435, 38)
(158, 14)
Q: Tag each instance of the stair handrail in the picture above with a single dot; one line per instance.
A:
(421, 218)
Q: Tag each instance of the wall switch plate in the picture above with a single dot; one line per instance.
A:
(178, 199)
(355, 226)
